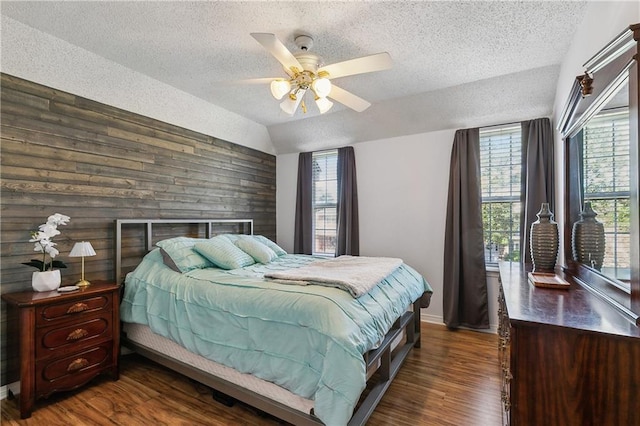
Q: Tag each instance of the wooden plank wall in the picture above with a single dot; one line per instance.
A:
(96, 163)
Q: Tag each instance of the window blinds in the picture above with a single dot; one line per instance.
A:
(606, 155)
(606, 184)
(325, 199)
(500, 160)
(501, 170)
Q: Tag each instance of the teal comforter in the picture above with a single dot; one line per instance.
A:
(307, 339)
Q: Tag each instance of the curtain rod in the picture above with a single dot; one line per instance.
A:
(509, 124)
(501, 125)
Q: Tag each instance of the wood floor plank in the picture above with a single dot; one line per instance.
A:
(452, 380)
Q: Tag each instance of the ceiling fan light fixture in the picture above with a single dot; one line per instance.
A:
(279, 88)
(290, 104)
(322, 87)
(323, 104)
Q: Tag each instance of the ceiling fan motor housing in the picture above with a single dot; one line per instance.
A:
(309, 61)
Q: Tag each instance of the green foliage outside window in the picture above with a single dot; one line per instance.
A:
(501, 231)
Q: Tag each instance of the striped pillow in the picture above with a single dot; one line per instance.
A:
(223, 253)
(258, 251)
(279, 251)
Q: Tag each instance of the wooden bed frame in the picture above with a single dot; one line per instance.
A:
(386, 360)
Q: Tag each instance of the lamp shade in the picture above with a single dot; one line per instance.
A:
(279, 88)
(324, 105)
(322, 87)
(290, 104)
(82, 249)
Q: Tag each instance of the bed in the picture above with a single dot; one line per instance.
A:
(308, 354)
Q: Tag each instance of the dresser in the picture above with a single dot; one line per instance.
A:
(63, 339)
(567, 357)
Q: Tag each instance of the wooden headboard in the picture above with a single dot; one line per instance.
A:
(205, 228)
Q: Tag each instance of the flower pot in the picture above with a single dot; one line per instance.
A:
(46, 280)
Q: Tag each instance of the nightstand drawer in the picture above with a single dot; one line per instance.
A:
(46, 315)
(66, 338)
(72, 370)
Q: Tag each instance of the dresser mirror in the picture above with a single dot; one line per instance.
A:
(600, 129)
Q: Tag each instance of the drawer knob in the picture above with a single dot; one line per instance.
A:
(77, 364)
(78, 307)
(78, 333)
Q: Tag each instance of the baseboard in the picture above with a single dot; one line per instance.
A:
(434, 319)
(493, 329)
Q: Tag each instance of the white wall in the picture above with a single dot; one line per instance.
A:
(33, 55)
(286, 181)
(402, 190)
(603, 21)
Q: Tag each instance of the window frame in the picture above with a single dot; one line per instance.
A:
(616, 71)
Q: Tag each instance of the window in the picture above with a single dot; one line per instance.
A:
(605, 165)
(501, 171)
(325, 199)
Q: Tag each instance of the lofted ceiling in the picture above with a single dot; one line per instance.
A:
(455, 64)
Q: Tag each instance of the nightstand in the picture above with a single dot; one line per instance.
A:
(65, 339)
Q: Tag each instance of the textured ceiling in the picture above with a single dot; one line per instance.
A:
(456, 64)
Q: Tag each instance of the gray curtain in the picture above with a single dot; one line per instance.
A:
(303, 234)
(538, 176)
(348, 238)
(465, 300)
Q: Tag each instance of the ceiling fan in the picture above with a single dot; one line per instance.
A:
(306, 72)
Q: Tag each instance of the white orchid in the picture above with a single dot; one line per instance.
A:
(49, 230)
(43, 244)
(57, 219)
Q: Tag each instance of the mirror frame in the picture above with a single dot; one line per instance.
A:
(571, 122)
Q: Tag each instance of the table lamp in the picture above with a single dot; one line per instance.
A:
(82, 249)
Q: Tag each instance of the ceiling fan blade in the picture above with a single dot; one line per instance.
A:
(278, 50)
(377, 62)
(348, 99)
(248, 81)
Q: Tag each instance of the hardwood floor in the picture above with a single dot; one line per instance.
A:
(453, 379)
